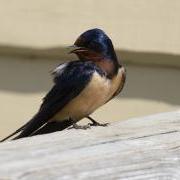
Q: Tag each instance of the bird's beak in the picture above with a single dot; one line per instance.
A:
(75, 49)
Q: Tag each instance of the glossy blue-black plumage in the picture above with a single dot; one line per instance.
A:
(71, 81)
(98, 41)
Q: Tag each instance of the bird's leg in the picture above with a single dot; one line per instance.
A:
(95, 123)
(76, 126)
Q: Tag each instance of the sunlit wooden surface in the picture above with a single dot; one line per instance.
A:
(139, 148)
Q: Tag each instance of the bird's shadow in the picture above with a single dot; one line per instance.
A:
(26, 70)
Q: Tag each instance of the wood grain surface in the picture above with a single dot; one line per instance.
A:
(139, 148)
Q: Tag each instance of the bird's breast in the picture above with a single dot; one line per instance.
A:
(97, 92)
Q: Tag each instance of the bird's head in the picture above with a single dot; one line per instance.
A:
(94, 44)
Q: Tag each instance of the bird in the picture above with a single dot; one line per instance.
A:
(80, 87)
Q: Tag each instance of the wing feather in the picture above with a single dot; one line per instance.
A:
(68, 84)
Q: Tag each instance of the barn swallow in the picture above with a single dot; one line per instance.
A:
(80, 87)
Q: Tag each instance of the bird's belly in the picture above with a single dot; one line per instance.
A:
(96, 93)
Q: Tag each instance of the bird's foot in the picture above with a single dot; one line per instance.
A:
(76, 126)
(95, 123)
(98, 124)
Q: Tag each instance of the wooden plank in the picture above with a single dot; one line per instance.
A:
(139, 148)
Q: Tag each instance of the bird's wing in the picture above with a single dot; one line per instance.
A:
(68, 84)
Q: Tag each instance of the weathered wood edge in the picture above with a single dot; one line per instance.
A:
(139, 148)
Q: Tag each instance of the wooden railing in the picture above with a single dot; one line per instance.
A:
(139, 148)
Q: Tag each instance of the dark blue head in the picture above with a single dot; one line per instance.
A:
(94, 43)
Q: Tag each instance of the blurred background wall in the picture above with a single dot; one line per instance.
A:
(34, 36)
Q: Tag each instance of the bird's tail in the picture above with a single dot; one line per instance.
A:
(53, 126)
(31, 126)
(14, 133)
(37, 127)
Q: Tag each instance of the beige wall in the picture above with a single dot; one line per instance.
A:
(139, 25)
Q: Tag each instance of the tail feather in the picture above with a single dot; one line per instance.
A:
(14, 133)
(31, 126)
(53, 126)
(39, 125)
(34, 124)
(49, 127)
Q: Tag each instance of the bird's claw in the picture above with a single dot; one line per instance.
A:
(95, 123)
(76, 126)
(98, 124)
